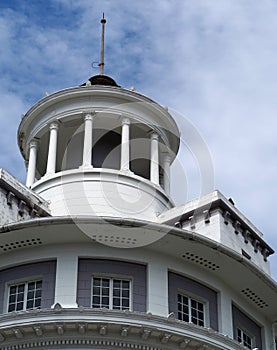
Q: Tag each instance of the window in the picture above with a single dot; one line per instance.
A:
(25, 296)
(246, 331)
(191, 310)
(244, 338)
(112, 293)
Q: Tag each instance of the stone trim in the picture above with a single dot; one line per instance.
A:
(249, 235)
(21, 196)
(240, 227)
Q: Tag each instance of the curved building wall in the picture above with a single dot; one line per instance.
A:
(157, 278)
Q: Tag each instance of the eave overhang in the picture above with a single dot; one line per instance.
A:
(234, 269)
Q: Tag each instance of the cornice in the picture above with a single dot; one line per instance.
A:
(163, 228)
(105, 328)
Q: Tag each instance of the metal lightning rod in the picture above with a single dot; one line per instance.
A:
(101, 64)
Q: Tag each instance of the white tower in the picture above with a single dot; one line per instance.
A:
(94, 255)
(100, 149)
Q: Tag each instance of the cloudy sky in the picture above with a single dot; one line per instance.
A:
(212, 62)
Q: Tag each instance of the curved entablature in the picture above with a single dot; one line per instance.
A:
(70, 102)
(52, 328)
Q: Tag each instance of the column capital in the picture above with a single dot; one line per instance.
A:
(89, 115)
(34, 143)
(125, 121)
(153, 135)
(54, 125)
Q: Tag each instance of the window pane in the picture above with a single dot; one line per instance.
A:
(126, 284)
(12, 299)
(21, 288)
(125, 293)
(239, 338)
(105, 291)
(125, 303)
(13, 289)
(193, 313)
(105, 282)
(96, 300)
(31, 286)
(105, 302)
(201, 323)
(37, 303)
(96, 290)
(96, 281)
(185, 309)
(19, 306)
(31, 294)
(20, 297)
(38, 293)
(116, 283)
(11, 307)
(116, 302)
(29, 304)
(116, 292)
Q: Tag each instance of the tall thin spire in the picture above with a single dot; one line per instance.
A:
(101, 64)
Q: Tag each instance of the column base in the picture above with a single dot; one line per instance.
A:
(46, 176)
(58, 306)
(85, 167)
(126, 171)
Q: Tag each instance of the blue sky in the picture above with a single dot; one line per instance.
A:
(214, 62)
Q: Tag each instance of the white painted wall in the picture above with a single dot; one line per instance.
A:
(102, 192)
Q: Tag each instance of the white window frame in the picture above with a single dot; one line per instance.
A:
(247, 334)
(111, 278)
(198, 299)
(16, 283)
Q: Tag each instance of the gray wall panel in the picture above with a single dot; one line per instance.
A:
(181, 283)
(249, 326)
(45, 270)
(88, 267)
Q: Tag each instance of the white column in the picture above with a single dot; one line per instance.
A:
(154, 163)
(157, 296)
(52, 149)
(225, 310)
(33, 147)
(166, 168)
(125, 145)
(66, 279)
(87, 149)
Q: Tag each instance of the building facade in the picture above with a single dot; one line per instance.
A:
(95, 255)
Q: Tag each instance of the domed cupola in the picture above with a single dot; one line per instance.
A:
(101, 79)
(99, 149)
